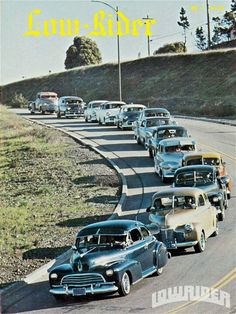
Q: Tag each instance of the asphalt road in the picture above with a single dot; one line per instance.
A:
(212, 268)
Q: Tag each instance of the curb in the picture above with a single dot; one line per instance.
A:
(15, 287)
(220, 121)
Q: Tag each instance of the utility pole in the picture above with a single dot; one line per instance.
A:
(208, 25)
(148, 37)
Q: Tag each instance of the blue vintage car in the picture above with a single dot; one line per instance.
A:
(109, 257)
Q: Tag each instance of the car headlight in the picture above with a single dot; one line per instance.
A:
(109, 272)
(188, 227)
(125, 118)
(54, 276)
(167, 167)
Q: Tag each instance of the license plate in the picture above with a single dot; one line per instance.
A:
(79, 291)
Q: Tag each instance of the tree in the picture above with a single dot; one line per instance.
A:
(200, 39)
(84, 51)
(184, 23)
(225, 26)
(176, 47)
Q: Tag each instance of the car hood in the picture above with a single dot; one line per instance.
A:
(172, 157)
(99, 257)
(173, 218)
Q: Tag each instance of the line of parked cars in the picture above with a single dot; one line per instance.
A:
(111, 256)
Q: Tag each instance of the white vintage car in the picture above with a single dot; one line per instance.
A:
(184, 218)
(170, 153)
(108, 111)
(91, 109)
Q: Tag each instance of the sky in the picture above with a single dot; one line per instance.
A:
(24, 57)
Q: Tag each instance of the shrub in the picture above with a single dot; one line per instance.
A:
(18, 101)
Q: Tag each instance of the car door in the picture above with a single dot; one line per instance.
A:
(142, 130)
(205, 215)
(149, 247)
(138, 250)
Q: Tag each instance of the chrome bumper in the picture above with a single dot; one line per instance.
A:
(104, 288)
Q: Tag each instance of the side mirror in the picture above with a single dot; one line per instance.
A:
(148, 210)
(74, 248)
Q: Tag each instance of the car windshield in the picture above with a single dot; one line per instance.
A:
(96, 105)
(172, 202)
(73, 101)
(113, 106)
(194, 178)
(156, 122)
(156, 114)
(166, 133)
(204, 161)
(179, 148)
(48, 96)
(133, 109)
(100, 240)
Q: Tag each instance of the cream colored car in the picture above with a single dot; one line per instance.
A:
(184, 217)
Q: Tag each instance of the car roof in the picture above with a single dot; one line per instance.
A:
(157, 109)
(177, 141)
(133, 106)
(71, 97)
(118, 226)
(195, 168)
(115, 102)
(203, 154)
(47, 93)
(185, 191)
(101, 101)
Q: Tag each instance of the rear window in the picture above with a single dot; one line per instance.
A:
(194, 178)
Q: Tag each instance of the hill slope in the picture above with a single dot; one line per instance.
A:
(200, 84)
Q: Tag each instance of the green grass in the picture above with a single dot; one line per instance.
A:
(43, 188)
(197, 84)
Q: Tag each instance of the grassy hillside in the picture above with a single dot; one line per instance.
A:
(197, 84)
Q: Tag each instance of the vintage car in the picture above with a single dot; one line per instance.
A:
(205, 178)
(154, 112)
(143, 130)
(163, 132)
(69, 107)
(127, 115)
(108, 111)
(212, 159)
(169, 155)
(45, 102)
(109, 257)
(185, 218)
(90, 111)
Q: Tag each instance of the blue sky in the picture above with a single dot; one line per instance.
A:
(26, 57)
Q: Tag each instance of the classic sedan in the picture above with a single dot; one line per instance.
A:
(69, 107)
(185, 218)
(213, 159)
(205, 178)
(163, 132)
(170, 154)
(143, 130)
(109, 257)
(90, 111)
(127, 115)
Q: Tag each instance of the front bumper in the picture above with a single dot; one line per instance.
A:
(127, 124)
(92, 289)
(72, 114)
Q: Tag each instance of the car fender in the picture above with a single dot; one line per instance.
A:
(62, 269)
(161, 255)
(133, 268)
(198, 230)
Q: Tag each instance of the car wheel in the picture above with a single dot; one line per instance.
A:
(86, 119)
(125, 285)
(201, 245)
(58, 115)
(159, 271)
(163, 179)
(150, 153)
(216, 232)
(99, 122)
(138, 140)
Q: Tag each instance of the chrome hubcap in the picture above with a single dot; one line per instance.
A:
(126, 283)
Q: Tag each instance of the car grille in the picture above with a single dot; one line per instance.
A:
(170, 237)
(82, 279)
